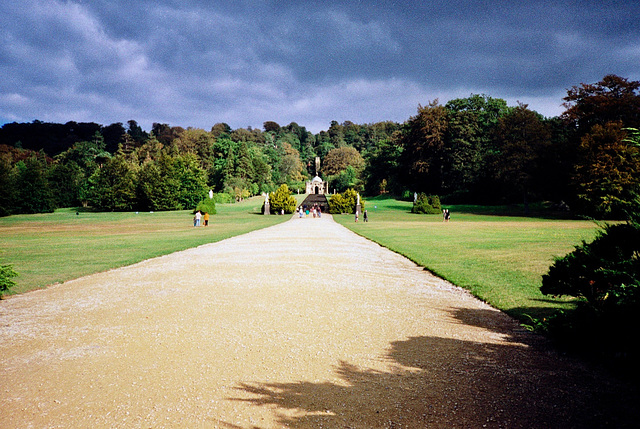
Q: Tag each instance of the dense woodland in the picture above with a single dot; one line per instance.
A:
(475, 150)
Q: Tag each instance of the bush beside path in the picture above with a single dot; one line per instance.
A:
(302, 324)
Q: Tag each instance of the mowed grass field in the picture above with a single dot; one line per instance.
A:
(500, 259)
(60, 246)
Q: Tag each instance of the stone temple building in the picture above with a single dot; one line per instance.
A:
(317, 191)
(317, 186)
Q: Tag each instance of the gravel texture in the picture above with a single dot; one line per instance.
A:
(303, 324)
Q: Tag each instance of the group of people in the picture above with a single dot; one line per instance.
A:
(446, 215)
(314, 211)
(201, 217)
(365, 217)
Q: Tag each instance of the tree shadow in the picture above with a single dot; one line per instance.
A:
(444, 382)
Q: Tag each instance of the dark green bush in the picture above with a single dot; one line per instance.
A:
(604, 276)
(602, 272)
(427, 204)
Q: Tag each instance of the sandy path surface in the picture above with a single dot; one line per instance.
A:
(303, 324)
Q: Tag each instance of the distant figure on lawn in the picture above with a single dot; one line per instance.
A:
(206, 219)
(446, 215)
(365, 217)
(196, 218)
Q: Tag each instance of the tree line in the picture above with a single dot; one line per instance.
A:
(473, 150)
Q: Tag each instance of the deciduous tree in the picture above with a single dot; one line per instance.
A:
(521, 137)
(468, 142)
(613, 99)
(270, 126)
(382, 167)
(607, 175)
(337, 160)
(423, 139)
(291, 166)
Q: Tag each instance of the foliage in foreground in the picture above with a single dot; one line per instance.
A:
(6, 278)
(605, 275)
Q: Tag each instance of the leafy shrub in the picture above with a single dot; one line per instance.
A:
(427, 204)
(345, 202)
(605, 277)
(599, 272)
(208, 205)
(281, 199)
(223, 198)
(6, 275)
(337, 205)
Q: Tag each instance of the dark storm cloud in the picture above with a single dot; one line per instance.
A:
(195, 63)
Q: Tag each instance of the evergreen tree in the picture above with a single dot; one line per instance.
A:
(8, 186)
(65, 181)
(32, 188)
(244, 166)
(192, 179)
(229, 170)
(113, 187)
(158, 186)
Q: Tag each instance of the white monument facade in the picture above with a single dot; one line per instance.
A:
(317, 185)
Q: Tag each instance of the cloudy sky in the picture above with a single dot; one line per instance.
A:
(195, 63)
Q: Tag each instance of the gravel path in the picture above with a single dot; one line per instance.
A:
(303, 324)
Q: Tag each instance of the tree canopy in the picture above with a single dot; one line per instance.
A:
(470, 150)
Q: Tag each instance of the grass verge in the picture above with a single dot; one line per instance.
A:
(500, 259)
(60, 246)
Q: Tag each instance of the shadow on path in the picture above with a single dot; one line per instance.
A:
(442, 382)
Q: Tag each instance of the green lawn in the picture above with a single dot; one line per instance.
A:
(55, 247)
(500, 259)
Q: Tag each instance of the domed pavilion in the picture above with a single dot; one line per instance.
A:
(317, 186)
